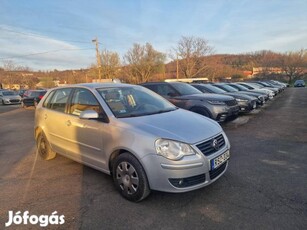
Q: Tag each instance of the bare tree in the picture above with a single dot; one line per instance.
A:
(110, 64)
(191, 52)
(143, 61)
(293, 63)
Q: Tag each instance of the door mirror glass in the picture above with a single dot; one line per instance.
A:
(89, 114)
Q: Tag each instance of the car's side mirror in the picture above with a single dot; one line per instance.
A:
(89, 114)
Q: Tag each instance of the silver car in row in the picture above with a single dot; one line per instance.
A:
(133, 134)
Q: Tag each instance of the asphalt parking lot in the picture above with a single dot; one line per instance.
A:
(265, 186)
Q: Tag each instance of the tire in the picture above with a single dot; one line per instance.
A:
(201, 111)
(130, 178)
(43, 148)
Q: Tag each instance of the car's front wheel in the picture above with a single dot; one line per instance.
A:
(43, 147)
(130, 178)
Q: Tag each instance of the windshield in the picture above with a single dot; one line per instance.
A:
(8, 93)
(215, 89)
(238, 86)
(255, 85)
(229, 88)
(185, 89)
(133, 101)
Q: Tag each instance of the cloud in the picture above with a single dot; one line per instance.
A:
(41, 52)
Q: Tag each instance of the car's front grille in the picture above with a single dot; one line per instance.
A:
(216, 172)
(14, 100)
(208, 147)
(231, 102)
(188, 181)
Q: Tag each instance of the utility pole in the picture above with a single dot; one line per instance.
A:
(177, 67)
(98, 57)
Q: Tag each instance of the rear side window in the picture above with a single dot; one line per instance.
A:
(57, 100)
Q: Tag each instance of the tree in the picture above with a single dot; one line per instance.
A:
(293, 63)
(143, 61)
(110, 64)
(191, 52)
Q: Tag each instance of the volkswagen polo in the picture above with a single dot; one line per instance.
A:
(129, 132)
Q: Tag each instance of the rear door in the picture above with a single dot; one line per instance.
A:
(55, 117)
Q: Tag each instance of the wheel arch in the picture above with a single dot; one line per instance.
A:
(198, 108)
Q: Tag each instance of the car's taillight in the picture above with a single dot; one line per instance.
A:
(40, 96)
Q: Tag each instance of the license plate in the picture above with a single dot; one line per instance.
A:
(216, 162)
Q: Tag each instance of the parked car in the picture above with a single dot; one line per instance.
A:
(8, 97)
(245, 102)
(21, 92)
(299, 83)
(236, 88)
(183, 95)
(133, 134)
(32, 97)
(254, 87)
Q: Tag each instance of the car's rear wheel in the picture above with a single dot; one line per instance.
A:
(130, 178)
(43, 147)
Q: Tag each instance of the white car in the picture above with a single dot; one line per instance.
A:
(9, 97)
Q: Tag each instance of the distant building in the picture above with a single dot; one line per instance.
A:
(270, 70)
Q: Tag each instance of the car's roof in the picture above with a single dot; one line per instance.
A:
(97, 85)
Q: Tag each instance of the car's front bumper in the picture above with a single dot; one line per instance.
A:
(187, 174)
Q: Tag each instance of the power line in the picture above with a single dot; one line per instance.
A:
(46, 52)
(40, 36)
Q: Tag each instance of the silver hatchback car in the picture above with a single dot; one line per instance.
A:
(133, 134)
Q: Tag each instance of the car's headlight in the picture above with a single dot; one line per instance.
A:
(173, 150)
(241, 100)
(216, 102)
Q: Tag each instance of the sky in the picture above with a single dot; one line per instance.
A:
(47, 35)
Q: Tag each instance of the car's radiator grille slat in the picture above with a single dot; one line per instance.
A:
(207, 147)
(231, 102)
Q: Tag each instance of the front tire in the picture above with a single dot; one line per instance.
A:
(130, 178)
(43, 148)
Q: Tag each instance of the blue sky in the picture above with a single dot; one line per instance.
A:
(57, 34)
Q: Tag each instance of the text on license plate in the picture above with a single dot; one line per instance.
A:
(216, 162)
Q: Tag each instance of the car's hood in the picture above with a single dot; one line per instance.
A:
(180, 125)
(206, 96)
(240, 96)
(12, 97)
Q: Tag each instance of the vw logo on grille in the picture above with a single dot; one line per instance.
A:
(215, 144)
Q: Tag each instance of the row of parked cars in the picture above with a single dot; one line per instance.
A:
(24, 97)
(218, 101)
(145, 141)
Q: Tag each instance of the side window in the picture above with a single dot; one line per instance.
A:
(82, 100)
(59, 99)
(48, 99)
(165, 91)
